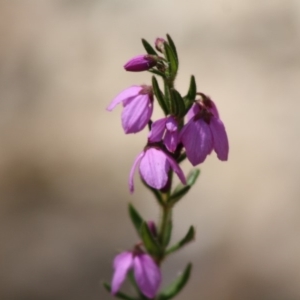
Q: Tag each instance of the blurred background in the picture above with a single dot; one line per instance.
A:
(64, 160)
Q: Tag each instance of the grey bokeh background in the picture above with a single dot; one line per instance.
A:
(64, 160)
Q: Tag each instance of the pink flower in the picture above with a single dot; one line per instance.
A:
(146, 272)
(168, 126)
(154, 167)
(203, 133)
(140, 63)
(138, 107)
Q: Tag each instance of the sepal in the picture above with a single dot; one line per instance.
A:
(181, 189)
(175, 287)
(190, 236)
(119, 295)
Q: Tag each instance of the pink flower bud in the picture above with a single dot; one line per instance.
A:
(140, 63)
(159, 44)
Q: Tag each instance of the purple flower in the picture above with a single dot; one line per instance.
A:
(168, 126)
(146, 272)
(154, 167)
(138, 107)
(203, 133)
(140, 63)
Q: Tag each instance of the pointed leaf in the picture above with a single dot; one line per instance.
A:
(168, 97)
(119, 294)
(149, 49)
(179, 107)
(172, 60)
(172, 45)
(159, 95)
(167, 234)
(190, 236)
(181, 189)
(156, 72)
(149, 241)
(155, 192)
(135, 217)
(192, 89)
(177, 285)
(181, 158)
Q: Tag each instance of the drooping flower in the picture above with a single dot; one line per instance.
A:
(154, 167)
(203, 133)
(138, 107)
(165, 129)
(140, 63)
(147, 274)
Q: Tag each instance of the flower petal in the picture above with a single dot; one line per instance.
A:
(127, 94)
(171, 140)
(171, 124)
(131, 174)
(220, 139)
(193, 111)
(174, 165)
(157, 130)
(147, 275)
(213, 109)
(154, 168)
(122, 264)
(197, 140)
(137, 114)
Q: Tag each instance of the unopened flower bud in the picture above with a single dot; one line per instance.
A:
(152, 227)
(140, 63)
(159, 44)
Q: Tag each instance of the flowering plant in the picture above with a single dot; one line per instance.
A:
(171, 140)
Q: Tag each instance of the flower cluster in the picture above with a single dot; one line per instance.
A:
(169, 136)
(191, 128)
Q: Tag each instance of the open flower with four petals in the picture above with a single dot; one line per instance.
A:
(203, 133)
(146, 272)
(154, 168)
(138, 107)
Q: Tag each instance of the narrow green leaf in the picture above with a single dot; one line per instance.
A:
(169, 102)
(172, 60)
(181, 158)
(179, 107)
(181, 189)
(177, 285)
(156, 72)
(155, 192)
(119, 295)
(149, 241)
(192, 89)
(149, 49)
(190, 236)
(172, 45)
(159, 95)
(189, 99)
(167, 234)
(135, 217)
